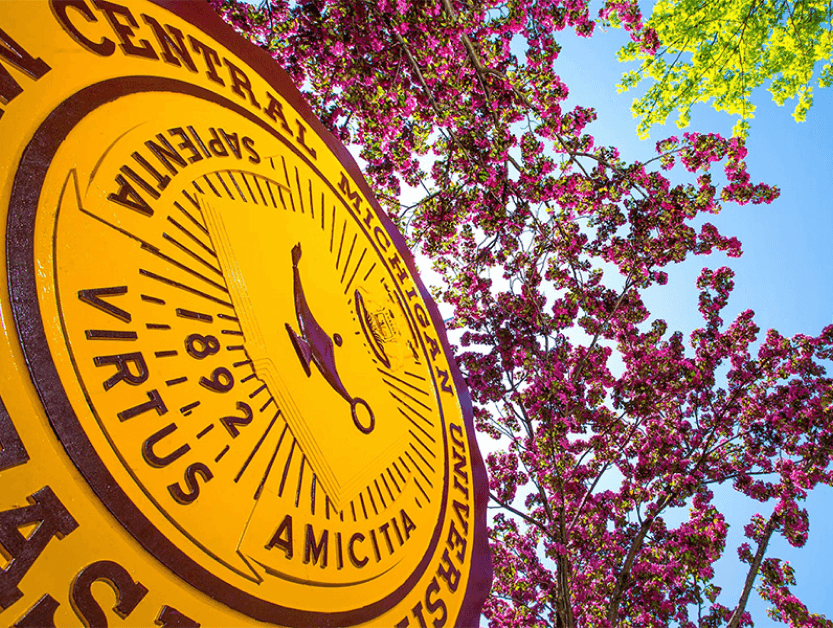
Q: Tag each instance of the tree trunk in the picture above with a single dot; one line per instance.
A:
(624, 575)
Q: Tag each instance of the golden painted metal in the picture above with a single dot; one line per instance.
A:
(225, 393)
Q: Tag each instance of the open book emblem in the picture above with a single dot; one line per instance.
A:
(322, 349)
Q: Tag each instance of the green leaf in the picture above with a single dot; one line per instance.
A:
(720, 52)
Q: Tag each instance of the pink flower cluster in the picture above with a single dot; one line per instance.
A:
(612, 429)
(629, 16)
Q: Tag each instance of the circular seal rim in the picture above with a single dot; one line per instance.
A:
(26, 191)
(26, 314)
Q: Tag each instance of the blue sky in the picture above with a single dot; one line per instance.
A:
(784, 275)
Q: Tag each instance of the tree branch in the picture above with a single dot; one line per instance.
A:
(734, 621)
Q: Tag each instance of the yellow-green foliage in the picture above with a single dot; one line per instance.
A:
(719, 51)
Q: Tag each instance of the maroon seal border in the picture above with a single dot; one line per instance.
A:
(25, 195)
(25, 307)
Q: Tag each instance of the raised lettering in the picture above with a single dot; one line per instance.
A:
(357, 562)
(313, 551)
(41, 615)
(375, 545)
(461, 487)
(216, 145)
(407, 524)
(152, 458)
(166, 43)
(123, 362)
(285, 528)
(199, 141)
(302, 133)
(274, 109)
(398, 533)
(460, 466)
(211, 58)
(421, 315)
(231, 422)
(162, 181)
(53, 520)
(462, 512)
(240, 83)
(344, 186)
(433, 345)
(443, 375)
(127, 196)
(233, 142)
(147, 187)
(381, 238)
(249, 145)
(124, 31)
(458, 440)
(189, 496)
(339, 553)
(169, 617)
(128, 592)
(417, 612)
(13, 53)
(155, 403)
(384, 530)
(105, 47)
(455, 540)
(166, 153)
(435, 605)
(450, 574)
(93, 297)
(186, 143)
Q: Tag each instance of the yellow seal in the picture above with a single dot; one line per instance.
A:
(229, 396)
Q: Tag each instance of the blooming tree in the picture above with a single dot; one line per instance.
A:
(605, 422)
(721, 51)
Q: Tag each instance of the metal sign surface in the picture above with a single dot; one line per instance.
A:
(225, 394)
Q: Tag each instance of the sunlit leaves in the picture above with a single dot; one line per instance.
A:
(721, 51)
